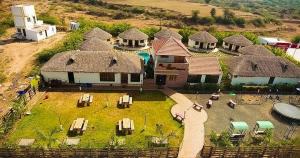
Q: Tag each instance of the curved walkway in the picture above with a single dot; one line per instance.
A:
(193, 139)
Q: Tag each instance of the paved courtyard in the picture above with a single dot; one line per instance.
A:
(220, 114)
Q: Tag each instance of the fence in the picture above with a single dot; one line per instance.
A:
(87, 153)
(253, 152)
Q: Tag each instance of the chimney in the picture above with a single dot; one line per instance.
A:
(71, 60)
(254, 65)
(114, 60)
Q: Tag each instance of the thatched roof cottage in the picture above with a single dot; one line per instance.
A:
(202, 41)
(133, 39)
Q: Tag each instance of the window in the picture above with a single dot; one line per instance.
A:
(41, 33)
(34, 19)
(135, 78)
(28, 19)
(124, 40)
(172, 78)
(194, 78)
(164, 56)
(226, 44)
(18, 29)
(107, 77)
(197, 43)
(141, 41)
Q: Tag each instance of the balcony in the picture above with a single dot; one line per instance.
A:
(171, 68)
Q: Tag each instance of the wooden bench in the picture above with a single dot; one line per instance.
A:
(209, 103)
(72, 126)
(130, 100)
(120, 101)
(232, 103)
(197, 106)
(120, 125)
(91, 99)
(85, 125)
(132, 125)
(215, 97)
(179, 117)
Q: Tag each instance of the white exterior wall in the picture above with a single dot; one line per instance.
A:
(21, 13)
(278, 80)
(250, 80)
(192, 44)
(86, 77)
(36, 36)
(121, 42)
(62, 76)
(135, 83)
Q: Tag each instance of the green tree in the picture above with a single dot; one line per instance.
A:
(195, 16)
(207, 1)
(150, 31)
(296, 39)
(213, 12)
(185, 32)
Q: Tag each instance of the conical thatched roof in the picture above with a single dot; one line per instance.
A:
(239, 40)
(204, 37)
(167, 33)
(95, 44)
(99, 33)
(133, 34)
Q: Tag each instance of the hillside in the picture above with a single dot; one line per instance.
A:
(284, 9)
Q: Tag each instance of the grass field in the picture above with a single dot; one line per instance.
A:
(103, 115)
(183, 6)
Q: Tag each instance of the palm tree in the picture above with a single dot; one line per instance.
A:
(49, 137)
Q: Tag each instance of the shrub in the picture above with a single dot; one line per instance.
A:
(240, 22)
(5, 24)
(48, 19)
(258, 22)
(296, 39)
(150, 31)
(207, 21)
(137, 10)
(2, 77)
(122, 15)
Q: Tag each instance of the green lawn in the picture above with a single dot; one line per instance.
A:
(103, 115)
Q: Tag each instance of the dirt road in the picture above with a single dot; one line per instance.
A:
(21, 53)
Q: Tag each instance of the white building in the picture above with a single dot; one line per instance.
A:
(271, 40)
(294, 52)
(258, 70)
(107, 68)
(27, 25)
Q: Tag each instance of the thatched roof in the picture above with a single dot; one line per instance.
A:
(204, 66)
(170, 46)
(133, 34)
(99, 33)
(267, 66)
(94, 62)
(239, 40)
(95, 44)
(204, 37)
(258, 50)
(167, 33)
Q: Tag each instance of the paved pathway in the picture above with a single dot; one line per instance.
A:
(193, 139)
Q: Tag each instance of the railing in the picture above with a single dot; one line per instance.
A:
(88, 153)
(253, 152)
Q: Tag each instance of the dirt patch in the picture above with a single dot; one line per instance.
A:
(183, 6)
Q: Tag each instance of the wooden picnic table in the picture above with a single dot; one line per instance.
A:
(215, 96)
(126, 100)
(197, 106)
(86, 97)
(78, 123)
(126, 125)
(232, 103)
